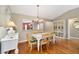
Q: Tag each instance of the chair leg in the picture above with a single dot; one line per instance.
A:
(30, 48)
(48, 42)
(41, 47)
(47, 46)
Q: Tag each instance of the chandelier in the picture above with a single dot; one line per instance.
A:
(38, 20)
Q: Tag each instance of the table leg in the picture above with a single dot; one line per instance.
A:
(54, 40)
(38, 45)
(16, 51)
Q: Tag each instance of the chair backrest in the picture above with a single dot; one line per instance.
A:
(45, 35)
(29, 36)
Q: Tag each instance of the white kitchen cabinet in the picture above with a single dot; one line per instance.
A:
(9, 43)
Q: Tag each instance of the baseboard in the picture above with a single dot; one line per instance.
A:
(61, 37)
(22, 41)
(69, 38)
(74, 38)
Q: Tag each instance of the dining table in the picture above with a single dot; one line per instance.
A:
(39, 37)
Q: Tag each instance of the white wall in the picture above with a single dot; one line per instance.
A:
(48, 26)
(3, 16)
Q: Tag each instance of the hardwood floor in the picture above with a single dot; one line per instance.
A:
(61, 47)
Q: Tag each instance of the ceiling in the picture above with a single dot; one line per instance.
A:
(45, 11)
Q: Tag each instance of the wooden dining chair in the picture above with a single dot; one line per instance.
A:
(31, 41)
(45, 41)
(50, 36)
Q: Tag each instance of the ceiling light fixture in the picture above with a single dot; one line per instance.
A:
(38, 20)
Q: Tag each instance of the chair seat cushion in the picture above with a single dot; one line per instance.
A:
(32, 41)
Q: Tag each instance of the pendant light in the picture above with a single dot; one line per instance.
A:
(38, 20)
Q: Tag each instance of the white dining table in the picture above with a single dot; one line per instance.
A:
(39, 36)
